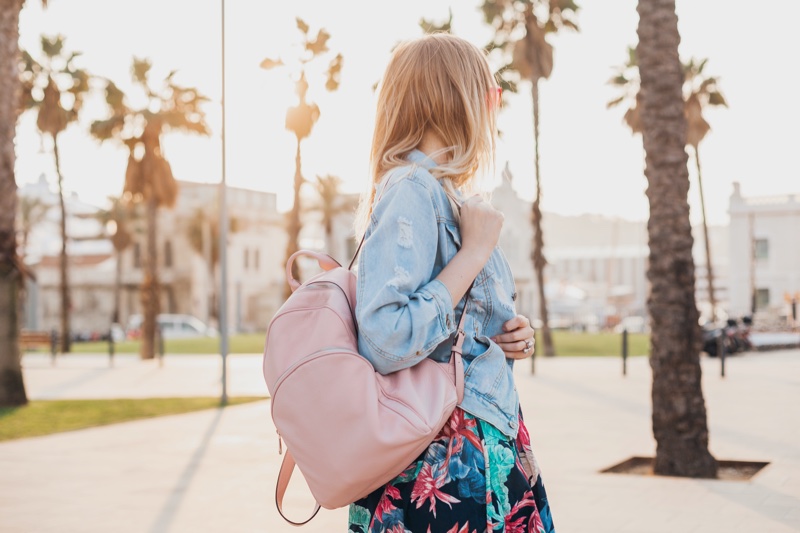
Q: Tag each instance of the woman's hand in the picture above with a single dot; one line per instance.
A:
(517, 342)
(480, 227)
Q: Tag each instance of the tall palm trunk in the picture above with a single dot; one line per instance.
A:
(679, 413)
(12, 387)
(150, 287)
(117, 285)
(709, 270)
(63, 260)
(328, 223)
(539, 261)
(293, 224)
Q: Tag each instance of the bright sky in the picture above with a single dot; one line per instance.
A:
(590, 161)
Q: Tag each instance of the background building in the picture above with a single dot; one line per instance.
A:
(187, 257)
(764, 255)
(596, 275)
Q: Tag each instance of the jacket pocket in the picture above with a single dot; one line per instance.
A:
(487, 370)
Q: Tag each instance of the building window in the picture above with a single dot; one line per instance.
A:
(762, 298)
(168, 254)
(761, 249)
(256, 259)
(137, 255)
(246, 258)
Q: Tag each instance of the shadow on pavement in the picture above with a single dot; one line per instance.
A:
(170, 508)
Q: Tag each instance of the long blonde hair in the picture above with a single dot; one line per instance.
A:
(440, 83)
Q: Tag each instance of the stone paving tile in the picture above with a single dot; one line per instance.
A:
(215, 470)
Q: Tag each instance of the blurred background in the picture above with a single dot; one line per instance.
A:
(594, 205)
(146, 223)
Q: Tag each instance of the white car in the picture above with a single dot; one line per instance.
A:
(173, 326)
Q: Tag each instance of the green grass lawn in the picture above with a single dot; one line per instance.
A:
(46, 417)
(573, 343)
(243, 343)
(566, 342)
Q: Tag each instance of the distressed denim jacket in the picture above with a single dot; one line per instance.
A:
(405, 315)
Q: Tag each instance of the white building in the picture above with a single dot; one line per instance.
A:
(516, 241)
(764, 254)
(597, 269)
(256, 249)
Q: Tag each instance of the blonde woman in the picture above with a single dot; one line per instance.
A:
(427, 238)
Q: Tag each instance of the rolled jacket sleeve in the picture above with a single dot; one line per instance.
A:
(402, 313)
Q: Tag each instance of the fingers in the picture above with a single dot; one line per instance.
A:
(518, 340)
(517, 335)
(518, 355)
(517, 346)
(517, 322)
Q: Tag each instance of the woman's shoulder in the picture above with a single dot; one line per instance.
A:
(407, 174)
(413, 180)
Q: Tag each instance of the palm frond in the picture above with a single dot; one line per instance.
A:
(301, 25)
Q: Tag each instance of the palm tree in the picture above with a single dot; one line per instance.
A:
(301, 118)
(627, 79)
(148, 177)
(12, 386)
(117, 221)
(699, 91)
(531, 60)
(679, 413)
(62, 86)
(31, 212)
(431, 26)
(330, 204)
(202, 231)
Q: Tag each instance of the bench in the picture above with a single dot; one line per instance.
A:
(34, 339)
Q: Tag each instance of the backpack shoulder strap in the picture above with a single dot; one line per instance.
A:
(284, 475)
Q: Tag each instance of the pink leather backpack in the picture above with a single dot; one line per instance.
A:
(348, 428)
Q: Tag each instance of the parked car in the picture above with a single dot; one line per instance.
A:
(173, 326)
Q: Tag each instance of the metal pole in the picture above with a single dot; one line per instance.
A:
(721, 352)
(53, 346)
(624, 352)
(223, 242)
(111, 348)
(160, 330)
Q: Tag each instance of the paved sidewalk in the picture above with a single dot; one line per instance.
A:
(90, 376)
(214, 471)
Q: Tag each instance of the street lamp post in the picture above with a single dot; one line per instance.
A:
(223, 241)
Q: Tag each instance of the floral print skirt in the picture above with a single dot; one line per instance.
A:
(472, 478)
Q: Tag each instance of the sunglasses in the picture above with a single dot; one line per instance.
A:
(496, 97)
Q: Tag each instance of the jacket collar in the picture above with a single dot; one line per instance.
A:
(418, 157)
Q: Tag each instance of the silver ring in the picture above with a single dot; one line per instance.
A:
(528, 346)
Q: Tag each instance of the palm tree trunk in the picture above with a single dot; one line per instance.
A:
(63, 265)
(206, 252)
(12, 386)
(709, 269)
(150, 288)
(117, 285)
(25, 234)
(679, 412)
(329, 234)
(293, 224)
(539, 261)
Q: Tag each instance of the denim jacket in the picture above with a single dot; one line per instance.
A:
(405, 315)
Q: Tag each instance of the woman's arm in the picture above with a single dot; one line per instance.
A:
(402, 313)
